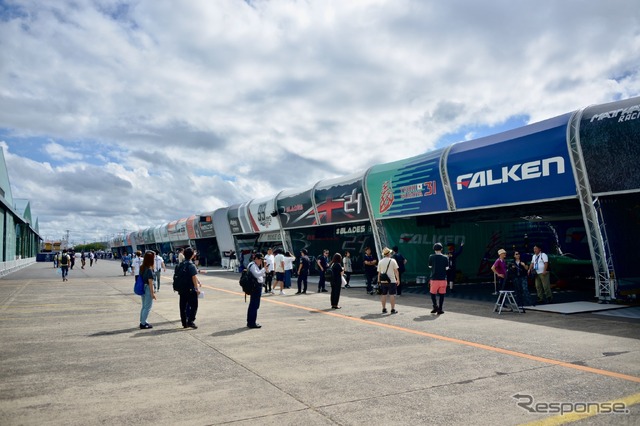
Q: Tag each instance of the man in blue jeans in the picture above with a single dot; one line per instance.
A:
(189, 291)
(64, 260)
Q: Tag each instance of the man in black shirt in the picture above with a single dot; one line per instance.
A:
(190, 290)
(439, 264)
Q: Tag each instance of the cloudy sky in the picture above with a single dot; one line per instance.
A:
(122, 114)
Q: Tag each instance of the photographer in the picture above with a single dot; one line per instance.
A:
(517, 273)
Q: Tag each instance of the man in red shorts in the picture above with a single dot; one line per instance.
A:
(438, 263)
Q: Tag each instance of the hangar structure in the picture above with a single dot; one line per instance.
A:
(19, 234)
(569, 183)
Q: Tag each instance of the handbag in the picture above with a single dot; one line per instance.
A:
(328, 273)
(534, 272)
(344, 280)
(138, 287)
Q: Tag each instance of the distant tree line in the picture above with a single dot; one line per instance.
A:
(90, 246)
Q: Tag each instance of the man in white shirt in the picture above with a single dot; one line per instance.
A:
(538, 268)
(159, 266)
(388, 279)
(279, 268)
(269, 260)
(136, 263)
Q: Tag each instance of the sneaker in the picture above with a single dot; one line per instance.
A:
(192, 325)
(298, 292)
(440, 312)
(384, 310)
(282, 293)
(304, 292)
(434, 311)
(145, 326)
(324, 290)
(393, 311)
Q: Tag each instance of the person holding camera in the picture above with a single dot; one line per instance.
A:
(388, 278)
(258, 270)
(517, 273)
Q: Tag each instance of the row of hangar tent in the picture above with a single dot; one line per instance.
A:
(569, 184)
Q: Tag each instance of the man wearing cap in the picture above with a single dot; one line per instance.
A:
(303, 271)
(500, 268)
(439, 264)
(388, 277)
(256, 268)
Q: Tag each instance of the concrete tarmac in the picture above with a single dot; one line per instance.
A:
(72, 353)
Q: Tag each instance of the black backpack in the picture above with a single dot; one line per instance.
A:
(64, 260)
(181, 278)
(247, 281)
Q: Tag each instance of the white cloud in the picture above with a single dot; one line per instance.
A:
(57, 151)
(149, 92)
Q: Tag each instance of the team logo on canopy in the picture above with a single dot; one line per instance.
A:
(386, 197)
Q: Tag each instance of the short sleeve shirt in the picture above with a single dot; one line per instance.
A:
(278, 261)
(438, 263)
(146, 276)
(538, 262)
(391, 264)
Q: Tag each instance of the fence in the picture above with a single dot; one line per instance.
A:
(14, 265)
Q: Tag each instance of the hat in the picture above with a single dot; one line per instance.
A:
(258, 256)
(502, 251)
(386, 251)
(437, 247)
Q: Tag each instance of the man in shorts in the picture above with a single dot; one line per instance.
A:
(439, 264)
(388, 278)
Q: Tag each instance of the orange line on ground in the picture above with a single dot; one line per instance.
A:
(452, 340)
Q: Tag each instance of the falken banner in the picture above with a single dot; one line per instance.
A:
(407, 187)
(522, 165)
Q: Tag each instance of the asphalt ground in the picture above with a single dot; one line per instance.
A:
(72, 353)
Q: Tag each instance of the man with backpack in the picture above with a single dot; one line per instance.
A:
(257, 271)
(64, 260)
(188, 288)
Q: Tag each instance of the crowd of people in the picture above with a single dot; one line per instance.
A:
(66, 260)
(274, 271)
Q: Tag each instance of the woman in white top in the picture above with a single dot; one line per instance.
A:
(348, 268)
